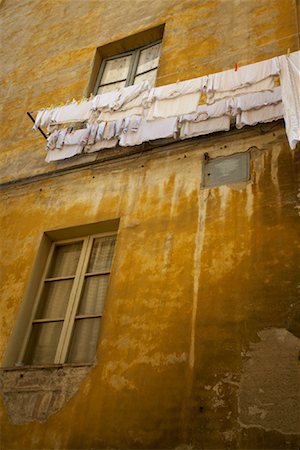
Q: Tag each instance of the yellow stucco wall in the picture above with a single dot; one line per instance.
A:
(49, 47)
(205, 283)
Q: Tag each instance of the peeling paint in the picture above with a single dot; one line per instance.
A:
(269, 394)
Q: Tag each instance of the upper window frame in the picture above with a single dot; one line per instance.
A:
(132, 72)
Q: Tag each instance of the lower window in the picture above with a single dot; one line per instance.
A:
(66, 318)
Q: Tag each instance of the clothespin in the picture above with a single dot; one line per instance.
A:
(51, 106)
(235, 67)
(288, 51)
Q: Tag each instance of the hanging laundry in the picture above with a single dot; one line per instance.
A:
(256, 100)
(290, 83)
(250, 78)
(93, 130)
(175, 99)
(265, 114)
(140, 130)
(101, 128)
(66, 152)
(74, 112)
(44, 117)
(204, 112)
(190, 129)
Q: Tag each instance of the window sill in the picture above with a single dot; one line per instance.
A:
(44, 366)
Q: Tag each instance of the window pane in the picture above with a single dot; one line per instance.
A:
(43, 343)
(150, 76)
(116, 69)
(65, 259)
(93, 295)
(54, 299)
(101, 255)
(149, 58)
(84, 340)
(111, 87)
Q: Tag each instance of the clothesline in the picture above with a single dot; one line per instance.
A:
(139, 113)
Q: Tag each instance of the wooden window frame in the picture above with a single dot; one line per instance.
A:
(132, 71)
(74, 297)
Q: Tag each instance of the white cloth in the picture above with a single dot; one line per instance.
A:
(290, 86)
(251, 78)
(128, 95)
(122, 99)
(101, 128)
(265, 114)
(147, 131)
(256, 100)
(104, 101)
(44, 117)
(109, 116)
(74, 112)
(101, 145)
(93, 130)
(61, 138)
(51, 140)
(66, 152)
(205, 112)
(175, 99)
(264, 85)
(172, 107)
(77, 137)
(190, 129)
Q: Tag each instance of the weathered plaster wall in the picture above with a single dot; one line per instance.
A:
(204, 288)
(203, 306)
(48, 50)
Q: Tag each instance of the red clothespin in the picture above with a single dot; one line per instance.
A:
(235, 67)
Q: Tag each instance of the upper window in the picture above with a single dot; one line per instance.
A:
(66, 318)
(128, 68)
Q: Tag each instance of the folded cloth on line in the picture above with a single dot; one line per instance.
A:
(101, 128)
(109, 116)
(74, 112)
(265, 114)
(190, 129)
(230, 80)
(139, 130)
(178, 89)
(121, 99)
(175, 99)
(205, 112)
(44, 117)
(77, 137)
(104, 101)
(131, 95)
(172, 107)
(264, 85)
(66, 152)
(101, 145)
(290, 82)
(255, 100)
(93, 130)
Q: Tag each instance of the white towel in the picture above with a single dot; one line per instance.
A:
(290, 86)
(74, 112)
(265, 114)
(259, 74)
(148, 131)
(66, 152)
(190, 129)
